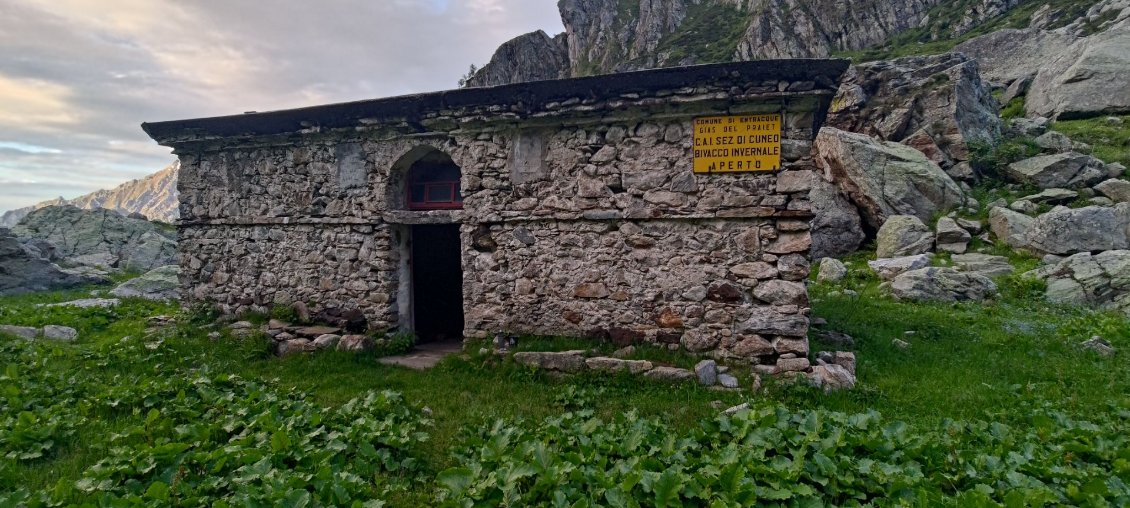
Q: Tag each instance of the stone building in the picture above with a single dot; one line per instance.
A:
(568, 207)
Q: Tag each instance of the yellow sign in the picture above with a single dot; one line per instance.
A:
(727, 144)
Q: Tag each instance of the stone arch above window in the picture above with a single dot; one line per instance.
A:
(427, 179)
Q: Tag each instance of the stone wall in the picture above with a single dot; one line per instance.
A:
(581, 217)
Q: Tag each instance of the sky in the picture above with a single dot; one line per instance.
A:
(78, 77)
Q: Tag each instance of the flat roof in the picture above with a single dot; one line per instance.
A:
(825, 72)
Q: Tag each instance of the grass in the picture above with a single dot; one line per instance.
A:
(991, 361)
(709, 34)
(1109, 141)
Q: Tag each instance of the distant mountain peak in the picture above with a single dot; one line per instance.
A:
(154, 196)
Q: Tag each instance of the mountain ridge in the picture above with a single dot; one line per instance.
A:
(154, 196)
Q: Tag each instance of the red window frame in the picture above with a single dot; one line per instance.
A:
(431, 180)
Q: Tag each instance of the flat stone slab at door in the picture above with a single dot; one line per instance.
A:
(424, 356)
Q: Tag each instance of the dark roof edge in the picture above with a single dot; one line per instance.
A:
(349, 114)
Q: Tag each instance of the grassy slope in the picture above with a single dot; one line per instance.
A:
(993, 360)
(1109, 141)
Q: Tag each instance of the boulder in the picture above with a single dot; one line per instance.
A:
(23, 332)
(889, 268)
(831, 377)
(326, 341)
(21, 272)
(831, 270)
(837, 229)
(1007, 55)
(1009, 226)
(88, 303)
(1028, 126)
(950, 237)
(1094, 280)
(566, 361)
(157, 284)
(941, 285)
(663, 373)
(606, 364)
(101, 238)
(983, 264)
(355, 343)
(60, 333)
(1053, 196)
(707, 372)
(1098, 345)
(1075, 76)
(1087, 79)
(903, 235)
(973, 226)
(1069, 169)
(1025, 207)
(1116, 189)
(884, 178)
(1088, 229)
(293, 346)
(936, 104)
(1053, 141)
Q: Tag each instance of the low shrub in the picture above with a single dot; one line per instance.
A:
(776, 457)
(198, 438)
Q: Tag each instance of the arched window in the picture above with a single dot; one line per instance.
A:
(433, 183)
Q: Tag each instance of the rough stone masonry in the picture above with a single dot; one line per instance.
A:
(581, 215)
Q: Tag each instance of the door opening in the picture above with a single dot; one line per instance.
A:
(437, 283)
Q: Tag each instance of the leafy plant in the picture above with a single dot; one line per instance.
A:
(395, 344)
(990, 159)
(774, 456)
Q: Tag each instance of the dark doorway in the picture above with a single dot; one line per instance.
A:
(437, 283)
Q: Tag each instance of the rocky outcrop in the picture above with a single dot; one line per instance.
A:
(23, 272)
(1071, 76)
(936, 104)
(1088, 79)
(884, 178)
(1007, 55)
(603, 36)
(941, 285)
(1089, 229)
(101, 238)
(531, 57)
(903, 235)
(889, 268)
(1009, 226)
(1095, 280)
(157, 284)
(1059, 170)
(837, 229)
(983, 264)
(154, 196)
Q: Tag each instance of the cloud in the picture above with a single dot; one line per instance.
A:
(35, 104)
(79, 76)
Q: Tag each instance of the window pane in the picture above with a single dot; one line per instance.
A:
(417, 194)
(440, 193)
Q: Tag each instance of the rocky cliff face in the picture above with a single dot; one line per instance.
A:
(1077, 70)
(154, 196)
(531, 57)
(617, 35)
(99, 238)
